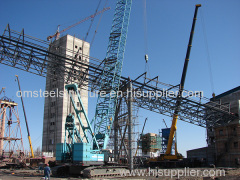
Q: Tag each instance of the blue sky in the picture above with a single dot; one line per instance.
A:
(168, 22)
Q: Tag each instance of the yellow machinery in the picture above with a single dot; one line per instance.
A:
(176, 155)
(29, 137)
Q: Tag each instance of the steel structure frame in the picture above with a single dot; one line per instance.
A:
(10, 134)
(31, 54)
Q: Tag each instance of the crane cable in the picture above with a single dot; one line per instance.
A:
(145, 35)
(90, 26)
(145, 26)
(208, 54)
(92, 20)
(90, 29)
(95, 32)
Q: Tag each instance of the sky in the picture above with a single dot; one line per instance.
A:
(216, 40)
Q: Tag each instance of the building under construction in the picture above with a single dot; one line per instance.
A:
(92, 147)
(58, 106)
(223, 140)
(150, 144)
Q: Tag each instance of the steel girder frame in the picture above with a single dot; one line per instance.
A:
(31, 54)
(196, 110)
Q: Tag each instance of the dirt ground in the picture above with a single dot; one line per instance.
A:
(229, 174)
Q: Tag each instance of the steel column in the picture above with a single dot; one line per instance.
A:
(130, 127)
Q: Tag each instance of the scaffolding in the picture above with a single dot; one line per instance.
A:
(150, 144)
(123, 135)
(11, 143)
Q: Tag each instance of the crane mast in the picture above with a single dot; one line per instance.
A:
(87, 144)
(110, 78)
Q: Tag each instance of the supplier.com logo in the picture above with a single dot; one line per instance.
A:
(135, 94)
(172, 173)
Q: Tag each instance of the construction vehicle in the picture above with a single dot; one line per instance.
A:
(57, 34)
(11, 58)
(168, 156)
(86, 150)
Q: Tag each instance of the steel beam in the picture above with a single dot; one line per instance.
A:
(196, 110)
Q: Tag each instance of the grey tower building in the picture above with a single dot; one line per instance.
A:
(57, 107)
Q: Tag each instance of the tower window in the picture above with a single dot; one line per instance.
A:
(52, 115)
(235, 144)
(53, 103)
(226, 147)
(51, 141)
(220, 132)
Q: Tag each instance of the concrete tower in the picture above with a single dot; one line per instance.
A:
(57, 106)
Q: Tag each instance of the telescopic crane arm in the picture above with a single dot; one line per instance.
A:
(25, 116)
(57, 34)
(181, 87)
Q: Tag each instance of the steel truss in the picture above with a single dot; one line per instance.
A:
(11, 143)
(111, 76)
(31, 54)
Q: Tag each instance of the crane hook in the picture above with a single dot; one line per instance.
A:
(146, 58)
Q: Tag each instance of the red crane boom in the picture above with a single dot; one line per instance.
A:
(69, 27)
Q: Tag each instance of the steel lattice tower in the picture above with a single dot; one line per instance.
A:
(110, 79)
(10, 130)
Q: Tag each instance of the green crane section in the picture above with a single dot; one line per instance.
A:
(111, 76)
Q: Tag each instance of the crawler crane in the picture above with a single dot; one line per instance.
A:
(85, 150)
